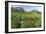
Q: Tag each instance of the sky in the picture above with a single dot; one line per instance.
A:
(29, 8)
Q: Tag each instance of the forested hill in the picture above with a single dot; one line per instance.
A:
(18, 9)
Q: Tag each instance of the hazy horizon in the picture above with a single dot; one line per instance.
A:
(28, 8)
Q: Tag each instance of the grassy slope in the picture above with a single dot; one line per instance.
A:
(25, 17)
